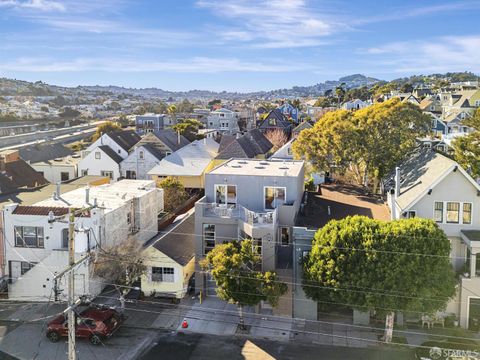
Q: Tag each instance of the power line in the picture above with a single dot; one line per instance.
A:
(280, 318)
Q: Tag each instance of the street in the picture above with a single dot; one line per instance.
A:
(179, 346)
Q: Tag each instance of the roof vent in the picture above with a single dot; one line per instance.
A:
(57, 159)
(242, 162)
(236, 166)
(263, 163)
(259, 167)
(284, 167)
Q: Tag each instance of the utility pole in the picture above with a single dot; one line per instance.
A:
(72, 303)
(71, 288)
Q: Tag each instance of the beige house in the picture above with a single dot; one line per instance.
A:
(430, 185)
(170, 260)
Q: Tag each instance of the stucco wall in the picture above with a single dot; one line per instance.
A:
(250, 189)
(52, 172)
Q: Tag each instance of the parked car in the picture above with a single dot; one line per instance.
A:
(92, 323)
(448, 349)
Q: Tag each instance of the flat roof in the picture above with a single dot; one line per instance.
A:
(343, 200)
(258, 167)
(109, 196)
(67, 160)
(27, 197)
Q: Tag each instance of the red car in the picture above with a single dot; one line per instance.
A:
(94, 324)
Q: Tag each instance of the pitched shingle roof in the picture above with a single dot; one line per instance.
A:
(249, 145)
(179, 243)
(154, 150)
(125, 138)
(110, 153)
(225, 141)
(418, 174)
(170, 139)
(19, 174)
(261, 140)
(275, 119)
(44, 152)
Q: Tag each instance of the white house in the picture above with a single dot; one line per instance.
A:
(149, 151)
(36, 236)
(430, 185)
(102, 161)
(104, 156)
(356, 104)
(58, 169)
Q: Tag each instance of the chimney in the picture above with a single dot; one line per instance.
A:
(397, 181)
(87, 195)
(178, 137)
(393, 208)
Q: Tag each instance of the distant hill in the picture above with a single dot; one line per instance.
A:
(12, 87)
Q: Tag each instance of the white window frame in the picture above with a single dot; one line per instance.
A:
(164, 275)
(214, 232)
(265, 193)
(98, 155)
(435, 209)
(226, 194)
(471, 212)
(141, 155)
(460, 212)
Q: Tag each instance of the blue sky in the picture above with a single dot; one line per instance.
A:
(234, 45)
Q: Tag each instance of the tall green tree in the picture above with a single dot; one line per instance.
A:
(393, 266)
(370, 142)
(174, 194)
(340, 93)
(467, 148)
(188, 128)
(234, 266)
(104, 128)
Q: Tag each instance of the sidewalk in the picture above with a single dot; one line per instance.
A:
(217, 317)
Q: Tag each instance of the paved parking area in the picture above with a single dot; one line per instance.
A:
(23, 338)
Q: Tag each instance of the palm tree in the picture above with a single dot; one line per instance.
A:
(172, 111)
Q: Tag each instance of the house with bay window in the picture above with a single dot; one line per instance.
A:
(248, 199)
(431, 185)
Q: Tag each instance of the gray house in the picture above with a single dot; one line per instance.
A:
(431, 185)
(148, 123)
(249, 198)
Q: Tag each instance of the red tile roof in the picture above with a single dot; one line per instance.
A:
(42, 210)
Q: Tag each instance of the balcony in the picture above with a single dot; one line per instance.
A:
(239, 212)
